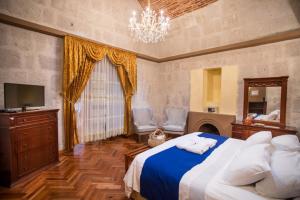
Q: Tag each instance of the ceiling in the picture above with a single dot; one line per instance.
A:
(176, 8)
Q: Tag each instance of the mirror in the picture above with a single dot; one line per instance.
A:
(264, 103)
(265, 100)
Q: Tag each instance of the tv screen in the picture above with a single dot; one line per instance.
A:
(20, 95)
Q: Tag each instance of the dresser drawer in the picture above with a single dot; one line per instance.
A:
(28, 142)
(35, 136)
(21, 120)
(33, 159)
(238, 128)
(23, 164)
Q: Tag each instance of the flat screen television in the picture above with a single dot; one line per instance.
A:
(22, 96)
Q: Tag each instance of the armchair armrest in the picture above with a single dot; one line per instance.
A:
(183, 124)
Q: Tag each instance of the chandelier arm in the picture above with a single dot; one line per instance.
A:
(151, 28)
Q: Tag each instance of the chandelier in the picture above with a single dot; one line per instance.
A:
(150, 29)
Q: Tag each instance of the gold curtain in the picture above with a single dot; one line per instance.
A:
(80, 57)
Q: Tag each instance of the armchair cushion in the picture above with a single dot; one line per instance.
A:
(143, 116)
(145, 128)
(173, 128)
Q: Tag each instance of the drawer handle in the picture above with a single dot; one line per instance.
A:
(24, 120)
(11, 118)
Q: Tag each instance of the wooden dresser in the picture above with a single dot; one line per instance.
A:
(28, 142)
(243, 131)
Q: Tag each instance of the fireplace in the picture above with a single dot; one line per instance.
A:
(210, 122)
(209, 128)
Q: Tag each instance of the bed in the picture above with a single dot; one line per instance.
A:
(202, 181)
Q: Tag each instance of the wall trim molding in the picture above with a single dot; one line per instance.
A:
(272, 38)
(268, 39)
(21, 23)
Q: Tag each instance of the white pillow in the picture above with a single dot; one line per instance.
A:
(262, 117)
(261, 137)
(249, 166)
(284, 179)
(286, 142)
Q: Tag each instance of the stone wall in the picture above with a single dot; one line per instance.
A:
(149, 87)
(277, 59)
(229, 21)
(32, 58)
(101, 20)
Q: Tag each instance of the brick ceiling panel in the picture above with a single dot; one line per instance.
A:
(176, 8)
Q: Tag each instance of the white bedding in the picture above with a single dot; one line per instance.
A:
(204, 181)
(218, 190)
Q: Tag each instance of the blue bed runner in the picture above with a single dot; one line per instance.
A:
(163, 171)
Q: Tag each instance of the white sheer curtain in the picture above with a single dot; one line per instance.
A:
(100, 109)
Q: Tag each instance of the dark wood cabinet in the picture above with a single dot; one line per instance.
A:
(28, 142)
(242, 131)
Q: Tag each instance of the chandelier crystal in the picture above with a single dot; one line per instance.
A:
(151, 29)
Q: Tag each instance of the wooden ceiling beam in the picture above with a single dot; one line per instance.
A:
(176, 8)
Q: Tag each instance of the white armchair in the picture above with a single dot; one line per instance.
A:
(144, 122)
(176, 121)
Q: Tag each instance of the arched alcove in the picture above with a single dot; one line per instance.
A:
(209, 128)
(220, 122)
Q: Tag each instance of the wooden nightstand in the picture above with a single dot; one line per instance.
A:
(243, 131)
(129, 156)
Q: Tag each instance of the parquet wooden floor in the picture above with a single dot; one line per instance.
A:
(94, 171)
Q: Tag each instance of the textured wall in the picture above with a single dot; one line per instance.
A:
(278, 59)
(29, 57)
(32, 58)
(149, 87)
(101, 20)
(229, 21)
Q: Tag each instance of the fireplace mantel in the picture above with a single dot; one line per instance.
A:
(221, 121)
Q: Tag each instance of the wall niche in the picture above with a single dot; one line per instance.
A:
(214, 87)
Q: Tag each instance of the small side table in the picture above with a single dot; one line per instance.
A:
(129, 156)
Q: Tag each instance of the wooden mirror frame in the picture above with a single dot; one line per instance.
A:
(267, 82)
